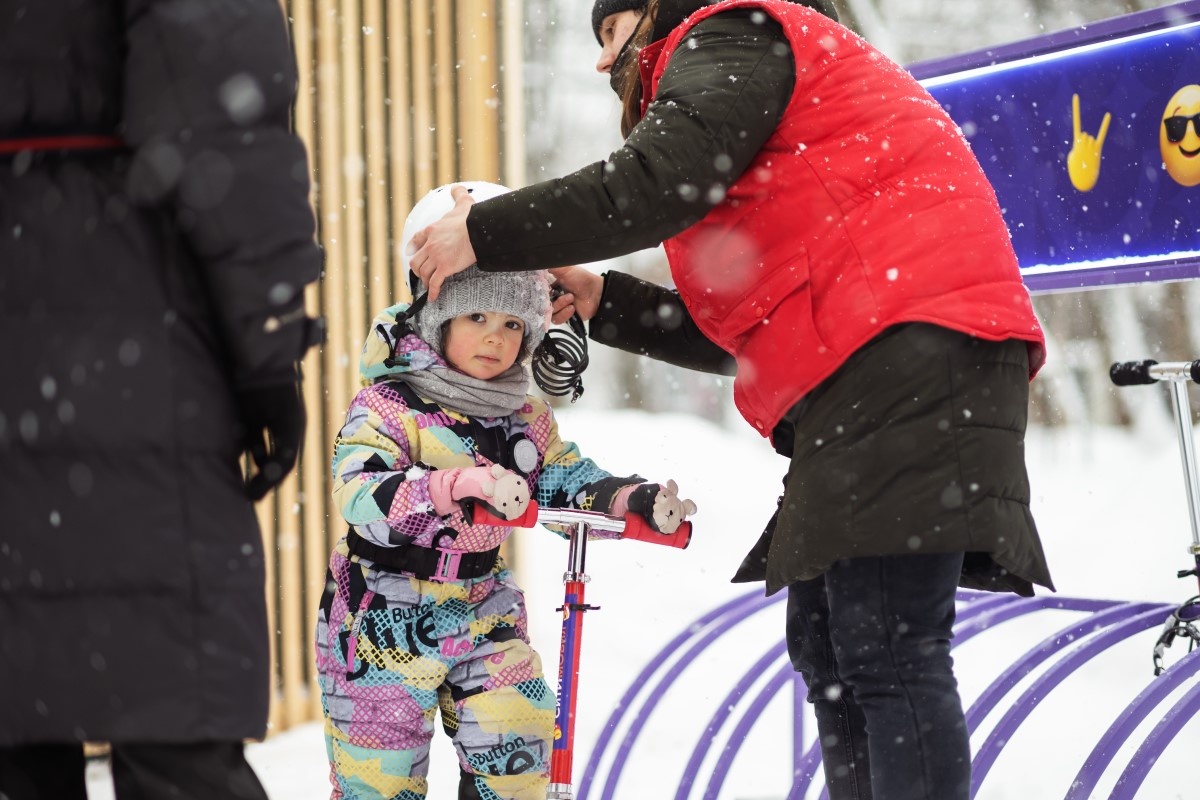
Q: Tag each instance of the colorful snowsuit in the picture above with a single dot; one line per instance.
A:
(391, 647)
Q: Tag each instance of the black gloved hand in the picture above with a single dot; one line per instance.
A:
(274, 418)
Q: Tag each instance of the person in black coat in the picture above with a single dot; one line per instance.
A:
(157, 239)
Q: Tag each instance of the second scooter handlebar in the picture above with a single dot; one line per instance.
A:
(1141, 373)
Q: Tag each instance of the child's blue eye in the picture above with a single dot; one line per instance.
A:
(515, 325)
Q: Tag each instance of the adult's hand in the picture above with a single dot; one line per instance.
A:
(444, 248)
(582, 291)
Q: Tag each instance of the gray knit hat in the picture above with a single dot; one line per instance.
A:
(522, 294)
(603, 8)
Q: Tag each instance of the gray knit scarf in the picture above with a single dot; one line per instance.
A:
(498, 397)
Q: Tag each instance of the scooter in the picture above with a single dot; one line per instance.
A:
(579, 524)
(1183, 621)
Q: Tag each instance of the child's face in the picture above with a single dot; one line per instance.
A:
(484, 344)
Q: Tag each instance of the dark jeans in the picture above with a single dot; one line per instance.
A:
(194, 771)
(872, 638)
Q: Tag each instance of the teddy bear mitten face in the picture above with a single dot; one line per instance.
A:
(509, 495)
(661, 506)
(505, 492)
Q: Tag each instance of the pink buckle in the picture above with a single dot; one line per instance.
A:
(447, 566)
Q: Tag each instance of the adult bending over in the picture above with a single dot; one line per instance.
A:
(828, 227)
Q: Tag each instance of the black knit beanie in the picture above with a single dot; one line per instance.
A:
(603, 8)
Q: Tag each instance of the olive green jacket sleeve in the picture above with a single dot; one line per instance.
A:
(717, 103)
(650, 320)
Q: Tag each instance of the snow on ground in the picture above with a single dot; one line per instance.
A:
(1113, 517)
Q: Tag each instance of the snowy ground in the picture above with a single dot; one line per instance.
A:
(1113, 517)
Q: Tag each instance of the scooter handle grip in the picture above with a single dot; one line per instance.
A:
(1132, 373)
(637, 528)
(479, 513)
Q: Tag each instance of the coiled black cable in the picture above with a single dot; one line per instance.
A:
(560, 359)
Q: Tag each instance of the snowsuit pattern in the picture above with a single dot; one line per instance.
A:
(392, 648)
(398, 649)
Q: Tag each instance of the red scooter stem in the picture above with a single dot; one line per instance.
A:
(562, 752)
(563, 748)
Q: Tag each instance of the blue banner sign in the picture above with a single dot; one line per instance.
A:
(1091, 138)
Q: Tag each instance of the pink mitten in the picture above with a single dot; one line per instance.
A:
(659, 505)
(505, 492)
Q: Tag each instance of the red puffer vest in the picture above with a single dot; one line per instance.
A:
(864, 209)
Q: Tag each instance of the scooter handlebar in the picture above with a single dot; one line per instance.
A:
(631, 526)
(1140, 373)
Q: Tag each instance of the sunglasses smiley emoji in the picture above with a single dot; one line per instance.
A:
(1179, 136)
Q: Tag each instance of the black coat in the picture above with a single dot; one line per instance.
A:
(915, 445)
(141, 291)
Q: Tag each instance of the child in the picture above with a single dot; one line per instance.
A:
(419, 612)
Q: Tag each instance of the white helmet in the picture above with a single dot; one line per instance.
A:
(435, 205)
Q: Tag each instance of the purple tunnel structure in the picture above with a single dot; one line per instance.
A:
(1165, 705)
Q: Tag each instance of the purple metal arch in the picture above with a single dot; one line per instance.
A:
(784, 675)
(1133, 715)
(995, 691)
(808, 773)
(985, 758)
(718, 720)
(732, 611)
(974, 604)
(981, 612)
(1108, 622)
(1155, 744)
(970, 625)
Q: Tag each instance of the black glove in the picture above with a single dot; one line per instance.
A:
(274, 418)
